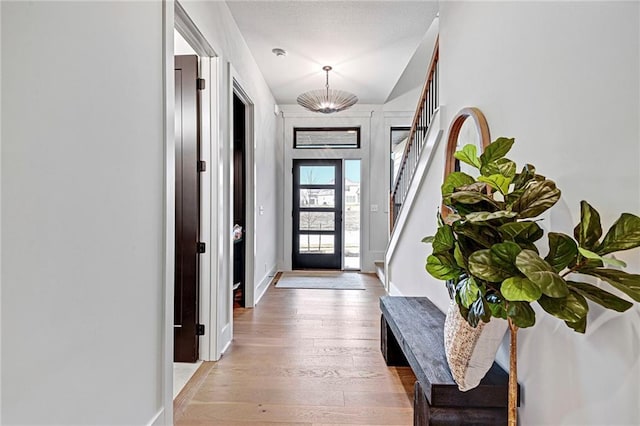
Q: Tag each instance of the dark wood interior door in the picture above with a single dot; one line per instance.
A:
(186, 302)
(317, 214)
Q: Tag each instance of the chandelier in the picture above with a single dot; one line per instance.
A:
(327, 100)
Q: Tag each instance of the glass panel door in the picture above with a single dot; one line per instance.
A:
(317, 214)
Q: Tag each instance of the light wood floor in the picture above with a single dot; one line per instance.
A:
(302, 357)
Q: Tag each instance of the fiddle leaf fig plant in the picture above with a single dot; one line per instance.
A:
(485, 248)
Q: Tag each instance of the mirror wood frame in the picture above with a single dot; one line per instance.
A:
(482, 128)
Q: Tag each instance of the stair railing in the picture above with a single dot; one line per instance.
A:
(427, 106)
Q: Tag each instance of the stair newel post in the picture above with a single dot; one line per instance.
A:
(513, 374)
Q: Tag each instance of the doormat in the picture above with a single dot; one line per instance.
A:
(321, 280)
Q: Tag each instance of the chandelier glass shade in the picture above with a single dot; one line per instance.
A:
(327, 100)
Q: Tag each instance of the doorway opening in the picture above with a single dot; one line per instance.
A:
(193, 300)
(242, 190)
(239, 201)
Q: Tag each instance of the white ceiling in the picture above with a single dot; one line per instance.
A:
(368, 43)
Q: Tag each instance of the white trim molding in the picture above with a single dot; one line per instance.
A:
(166, 404)
(262, 288)
(159, 419)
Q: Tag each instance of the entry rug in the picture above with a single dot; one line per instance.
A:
(321, 280)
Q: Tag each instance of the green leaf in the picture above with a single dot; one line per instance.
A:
(528, 173)
(429, 239)
(600, 296)
(521, 313)
(571, 308)
(498, 310)
(519, 289)
(605, 260)
(614, 262)
(521, 231)
(485, 236)
(503, 166)
(496, 150)
(468, 155)
(562, 251)
(479, 310)
(512, 197)
(504, 256)
(468, 291)
(470, 197)
(538, 197)
(443, 241)
(499, 182)
(487, 216)
(624, 234)
(541, 273)
(441, 267)
(474, 187)
(579, 326)
(627, 283)
(589, 230)
(459, 257)
(482, 266)
(456, 180)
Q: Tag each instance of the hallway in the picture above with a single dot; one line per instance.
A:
(303, 357)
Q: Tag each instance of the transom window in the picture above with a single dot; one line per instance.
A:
(326, 137)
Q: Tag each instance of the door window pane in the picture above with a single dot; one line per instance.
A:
(351, 216)
(317, 244)
(334, 137)
(317, 175)
(324, 198)
(317, 221)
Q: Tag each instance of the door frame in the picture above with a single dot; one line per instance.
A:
(292, 118)
(237, 87)
(208, 70)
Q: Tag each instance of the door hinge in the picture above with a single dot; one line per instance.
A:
(200, 83)
(202, 247)
(202, 166)
(199, 329)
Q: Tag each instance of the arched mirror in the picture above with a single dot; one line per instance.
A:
(469, 126)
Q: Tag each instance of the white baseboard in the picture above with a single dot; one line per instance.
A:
(264, 283)
(224, 349)
(393, 290)
(158, 419)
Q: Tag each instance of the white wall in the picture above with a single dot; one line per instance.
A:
(217, 25)
(415, 73)
(563, 79)
(82, 212)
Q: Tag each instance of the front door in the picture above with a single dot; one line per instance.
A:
(317, 214)
(187, 210)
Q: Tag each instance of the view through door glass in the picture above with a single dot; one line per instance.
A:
(317, 214)
(351, 214)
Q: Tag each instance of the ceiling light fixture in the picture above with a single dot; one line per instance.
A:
(327, 100)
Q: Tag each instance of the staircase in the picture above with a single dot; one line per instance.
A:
(403, 254)
(425, 112)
